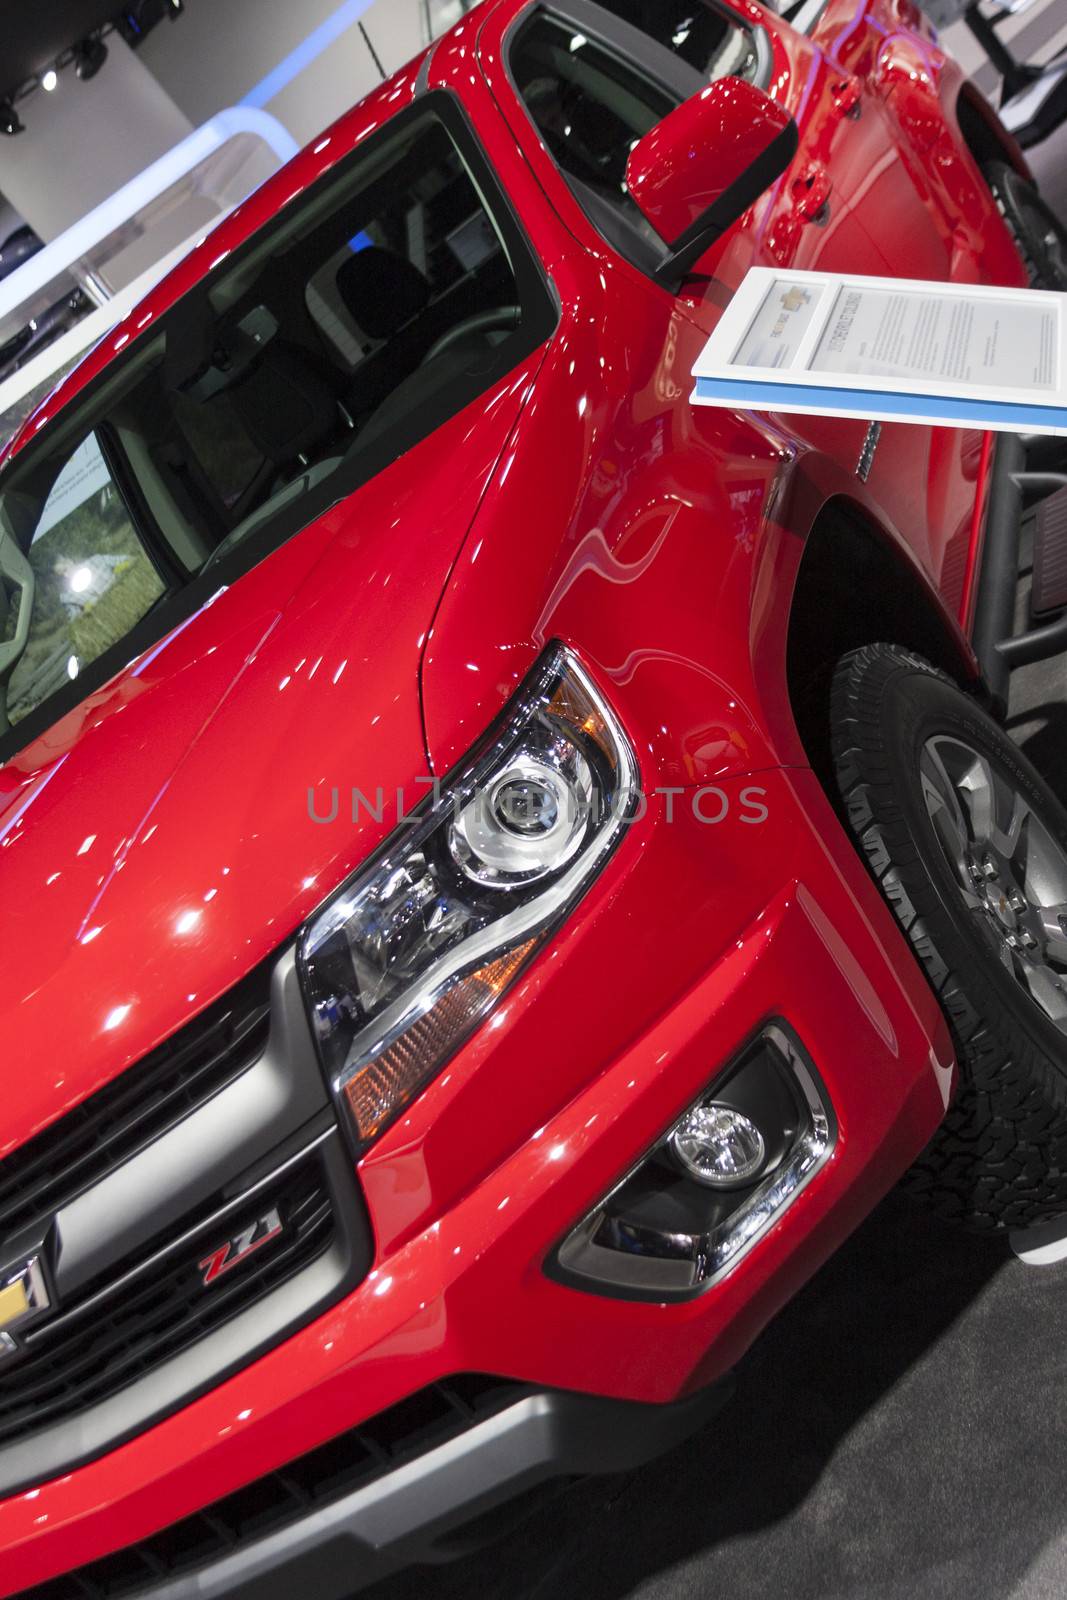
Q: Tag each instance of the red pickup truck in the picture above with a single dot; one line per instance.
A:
(503, 869)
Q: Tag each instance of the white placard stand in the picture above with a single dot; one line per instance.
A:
(890, 350)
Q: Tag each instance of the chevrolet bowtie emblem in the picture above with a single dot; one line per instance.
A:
(23, 1294)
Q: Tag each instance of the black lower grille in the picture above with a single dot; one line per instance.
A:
(40, 1177)
(132, 1325)
(417, 1424)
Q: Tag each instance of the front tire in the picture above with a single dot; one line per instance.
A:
(1039, 234)
(969, 846)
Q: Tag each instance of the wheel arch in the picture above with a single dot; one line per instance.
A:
(856, 586)
(984, 134)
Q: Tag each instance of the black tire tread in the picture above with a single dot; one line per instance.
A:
(1003, 180)
(999, 1159)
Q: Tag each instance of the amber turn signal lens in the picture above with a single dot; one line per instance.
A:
(385, 1085)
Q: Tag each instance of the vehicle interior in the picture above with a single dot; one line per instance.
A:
(316, 345)
(373, 310)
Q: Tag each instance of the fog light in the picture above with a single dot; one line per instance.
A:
(719, 1146)
(713, 1185)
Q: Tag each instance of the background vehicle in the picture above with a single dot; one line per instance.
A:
(375, 1188)
(1033, 98)
(18, 247)
(42, 331)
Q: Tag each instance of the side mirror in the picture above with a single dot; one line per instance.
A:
(701, 168)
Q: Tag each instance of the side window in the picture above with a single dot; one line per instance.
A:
(714, 42)
(590, 106)
(93, 581)
(439, 226)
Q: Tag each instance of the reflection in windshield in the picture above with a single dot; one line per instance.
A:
(94, 581)
(370, 311)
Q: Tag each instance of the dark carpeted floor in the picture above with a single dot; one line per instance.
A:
(900, 1433)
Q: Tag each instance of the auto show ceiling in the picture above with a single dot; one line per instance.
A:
(34, 35)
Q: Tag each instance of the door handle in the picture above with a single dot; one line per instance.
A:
(811, 195)
(847, 94)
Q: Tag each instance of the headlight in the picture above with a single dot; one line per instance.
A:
(417, 948)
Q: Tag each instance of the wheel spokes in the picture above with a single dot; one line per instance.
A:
(1047, 989)
(1011, 870)
(946, 813)
(1053, 921)
(998, 811)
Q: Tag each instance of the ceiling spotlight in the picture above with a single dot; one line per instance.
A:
(176, 8)
(10, 121)
(89, 57)
(50, 79)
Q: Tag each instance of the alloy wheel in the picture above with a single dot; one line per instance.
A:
(1009, 868)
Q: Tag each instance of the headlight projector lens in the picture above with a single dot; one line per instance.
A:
(530, 822)
(528, 806)
(719, 1146)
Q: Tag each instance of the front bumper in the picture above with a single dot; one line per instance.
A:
(534, 1121)
(416, 1511)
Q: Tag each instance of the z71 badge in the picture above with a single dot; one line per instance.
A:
(234, 1251)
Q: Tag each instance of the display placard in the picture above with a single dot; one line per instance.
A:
(890, 349)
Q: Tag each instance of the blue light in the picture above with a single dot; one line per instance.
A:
(305, 53)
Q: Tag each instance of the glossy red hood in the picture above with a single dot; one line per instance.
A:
(158, 841)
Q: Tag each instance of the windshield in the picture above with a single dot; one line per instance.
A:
(383, 301)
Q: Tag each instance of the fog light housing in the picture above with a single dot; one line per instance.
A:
(713, 1185)
(718, 1145)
